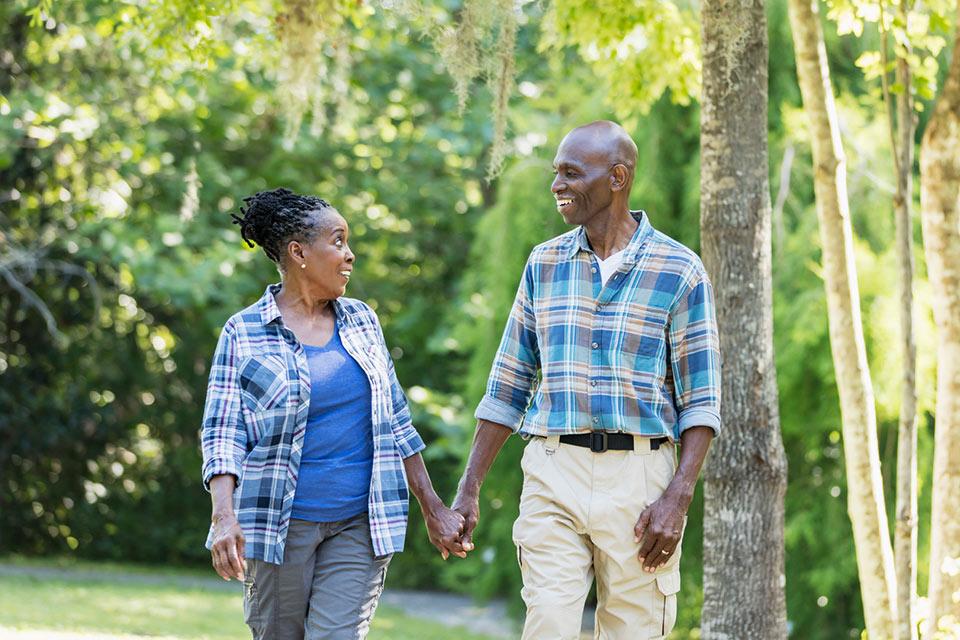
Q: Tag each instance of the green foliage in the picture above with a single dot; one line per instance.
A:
(480, 43)
(642, 50)
(116, 186)
(918, 32)
(315, 59)
(124, 143)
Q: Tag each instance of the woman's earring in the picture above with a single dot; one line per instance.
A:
(303, 265)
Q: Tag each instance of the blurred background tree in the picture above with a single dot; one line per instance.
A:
(129, 131)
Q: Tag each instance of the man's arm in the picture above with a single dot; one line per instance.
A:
(661, 524)
(513, 376)
(488, 439)
(695, 365)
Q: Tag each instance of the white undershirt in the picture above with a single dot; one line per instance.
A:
(610, 265)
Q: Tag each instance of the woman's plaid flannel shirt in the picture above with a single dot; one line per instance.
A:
(256, 416)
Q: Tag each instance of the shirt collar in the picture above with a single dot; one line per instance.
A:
(269, 311)
(630, 252)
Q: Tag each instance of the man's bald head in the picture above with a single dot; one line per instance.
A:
(594, 169)
(605, 138)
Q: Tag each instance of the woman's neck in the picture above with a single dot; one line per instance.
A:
(294, 297)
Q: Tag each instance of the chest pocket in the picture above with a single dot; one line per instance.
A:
(263, 382)
(645, 329)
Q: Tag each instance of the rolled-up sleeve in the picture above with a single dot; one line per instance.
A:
(513, 375)
(695, 355)
(223, 435)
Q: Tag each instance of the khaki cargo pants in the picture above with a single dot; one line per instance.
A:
(577, 513)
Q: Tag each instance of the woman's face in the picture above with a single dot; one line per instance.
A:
(328, 257)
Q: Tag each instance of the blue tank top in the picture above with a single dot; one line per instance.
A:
(337, 459)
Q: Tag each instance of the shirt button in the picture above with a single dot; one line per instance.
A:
(596, 419)
(593, 269)
(593, 383)
(594, 345)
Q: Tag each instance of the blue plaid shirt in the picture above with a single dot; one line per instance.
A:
(255, 418)
(639, 354)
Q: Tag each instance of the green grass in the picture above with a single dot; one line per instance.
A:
(167, 608)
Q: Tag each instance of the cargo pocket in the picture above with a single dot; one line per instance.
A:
(368, 604)
(251, 606)
(668, 584)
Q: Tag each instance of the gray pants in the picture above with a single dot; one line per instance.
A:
(326, 589)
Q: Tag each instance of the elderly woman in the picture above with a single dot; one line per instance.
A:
(308, 446)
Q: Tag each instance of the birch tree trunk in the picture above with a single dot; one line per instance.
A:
(745, 476)
(905, 533)
(940, 216)
(864, 485)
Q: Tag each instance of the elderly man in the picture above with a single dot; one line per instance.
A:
(616, 322)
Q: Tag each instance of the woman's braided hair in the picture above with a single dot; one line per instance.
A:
(271, 219)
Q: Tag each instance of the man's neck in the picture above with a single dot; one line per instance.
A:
(611, 233)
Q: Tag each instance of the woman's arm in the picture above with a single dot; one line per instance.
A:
(228, 544)
(443, 525)
(223, 443)
(223, 436)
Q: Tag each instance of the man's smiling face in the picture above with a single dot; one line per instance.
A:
(582, 182)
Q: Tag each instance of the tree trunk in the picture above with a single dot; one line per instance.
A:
(940, 215)
(858, 413)
(746, 474)
(905, 533)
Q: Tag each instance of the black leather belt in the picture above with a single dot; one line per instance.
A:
(600, 441)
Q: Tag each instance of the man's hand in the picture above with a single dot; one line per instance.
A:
(660, 526)
(468, 506)
(228, 547)
(445, 527)
(659, 529)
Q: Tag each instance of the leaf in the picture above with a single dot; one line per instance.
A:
(934, 44)
(869, 12)
(868, 59)
(848, 22)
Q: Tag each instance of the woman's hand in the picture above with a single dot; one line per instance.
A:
(445, 527)
(228, 546)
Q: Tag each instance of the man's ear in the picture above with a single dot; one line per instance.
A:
(618, 177)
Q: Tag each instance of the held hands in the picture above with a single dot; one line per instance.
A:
(228, 547)
(658, 531)
(468, 506)
(445, 527)
(451, 529)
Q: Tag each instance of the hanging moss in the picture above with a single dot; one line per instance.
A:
(314, 60)
(479, 45)
(501, 81)
(315, 57)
